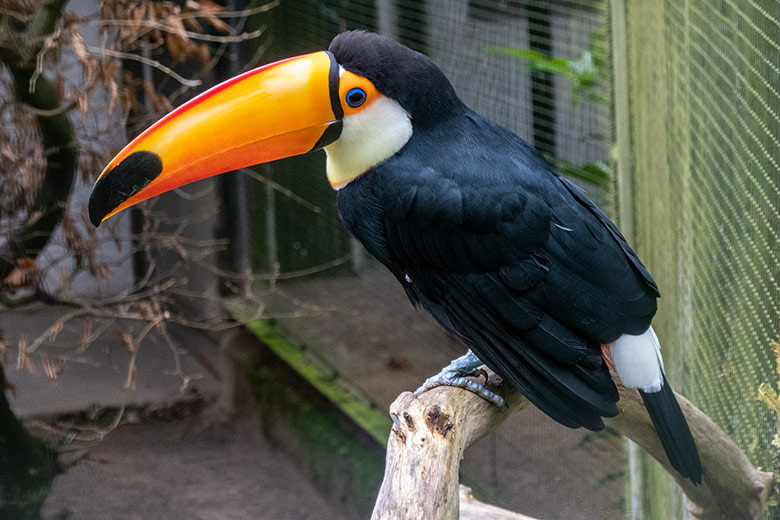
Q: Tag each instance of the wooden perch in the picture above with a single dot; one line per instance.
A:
(431, 432)
(427, 441)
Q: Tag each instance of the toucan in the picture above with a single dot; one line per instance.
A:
(479, 229)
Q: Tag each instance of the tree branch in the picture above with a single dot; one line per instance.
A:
(37, 92)
(431, 432)
(731, 487)
(27, 466)
(43, 24)
(21, 49)
(473, 509)
(426, 444)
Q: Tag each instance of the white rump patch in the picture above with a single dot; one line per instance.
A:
(367, 138)
(638, 361)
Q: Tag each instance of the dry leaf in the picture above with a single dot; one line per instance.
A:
(64, 278)
(207, 9)
(201, 53)
(87, 332)
(3, 348)
(130, 382)
(179, 249)
(79, 48)
(23, 360)
(70, 18)
(114, 96)
(15, 280)
(82, 101)
(53, 367)
(24, 276)
(179, 48)
(127, 340)
(54, 331)
(159, 102)
(147, 310)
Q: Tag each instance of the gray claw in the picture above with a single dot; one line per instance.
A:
(455, 374)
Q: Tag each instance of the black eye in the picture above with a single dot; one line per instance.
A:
(356, 97)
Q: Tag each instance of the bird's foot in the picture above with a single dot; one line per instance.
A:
(457, 374)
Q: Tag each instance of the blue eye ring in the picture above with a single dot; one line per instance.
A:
(355, 97)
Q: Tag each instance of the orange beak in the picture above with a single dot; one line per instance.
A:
(286, 108)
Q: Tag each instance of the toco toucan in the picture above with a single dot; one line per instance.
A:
(475, 224)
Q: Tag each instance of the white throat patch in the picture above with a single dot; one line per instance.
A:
(367, 138)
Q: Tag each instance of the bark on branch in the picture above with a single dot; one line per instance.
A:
(431, 432)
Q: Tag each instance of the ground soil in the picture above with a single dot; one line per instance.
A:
(185, 469)
(173, 456)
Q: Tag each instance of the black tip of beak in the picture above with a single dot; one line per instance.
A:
(126, 179)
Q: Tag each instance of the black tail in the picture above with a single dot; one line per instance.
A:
(672, 429)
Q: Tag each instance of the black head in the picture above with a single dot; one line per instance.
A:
(398, 72)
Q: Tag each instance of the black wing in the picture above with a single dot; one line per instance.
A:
(522, 266)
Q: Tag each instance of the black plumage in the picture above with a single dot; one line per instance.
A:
(669, 423)
(501, 249)
(507, 255)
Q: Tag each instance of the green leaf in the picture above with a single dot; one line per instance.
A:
(582, 73)
(595, 173)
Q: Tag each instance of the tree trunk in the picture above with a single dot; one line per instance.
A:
(19, 52)
(27, 466)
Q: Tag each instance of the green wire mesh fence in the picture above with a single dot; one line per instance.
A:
(702, 85)
(682, 96)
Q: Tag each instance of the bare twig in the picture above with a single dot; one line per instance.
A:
(243, 13)
(150, 25)
(99, 51)
(43, 338)
(281, 189)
